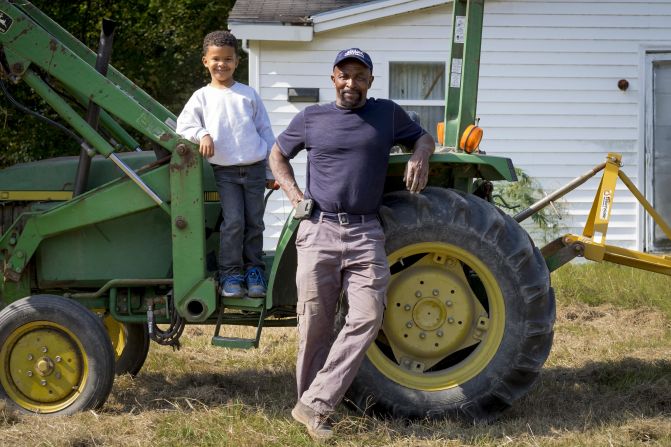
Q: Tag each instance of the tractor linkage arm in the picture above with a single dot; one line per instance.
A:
(592, 243)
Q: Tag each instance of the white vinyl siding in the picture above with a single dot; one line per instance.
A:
(548, 96)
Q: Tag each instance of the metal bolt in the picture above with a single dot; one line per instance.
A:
(448, 303)
(450, 320)
(436, 292)
(30, 356)
(408, 324)
(422, 335)
(180, 222)
(44, 349)
(439, 333)
(43, 382)
(19, 254)
(58, 358)
(407, 307)
(29, 374)
(418, 293)
(181, 149)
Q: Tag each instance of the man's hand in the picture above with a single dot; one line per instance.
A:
(416, 174)
(206, 146)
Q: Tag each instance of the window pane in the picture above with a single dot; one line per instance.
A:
(429, 117)
(417, 80)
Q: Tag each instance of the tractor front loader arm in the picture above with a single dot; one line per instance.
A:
(31, 46)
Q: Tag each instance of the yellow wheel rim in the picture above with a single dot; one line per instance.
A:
(44, 367)
(118, 335)
(436, 333)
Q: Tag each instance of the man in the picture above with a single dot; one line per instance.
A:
(341, 243)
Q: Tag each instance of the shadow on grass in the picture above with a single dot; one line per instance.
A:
(598, 393)
(195, 391)
(571, 399)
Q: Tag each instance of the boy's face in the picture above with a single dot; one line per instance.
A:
(221, 62)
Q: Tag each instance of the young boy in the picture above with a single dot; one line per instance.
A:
(231, 125)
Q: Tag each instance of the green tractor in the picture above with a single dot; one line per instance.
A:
(97, 251)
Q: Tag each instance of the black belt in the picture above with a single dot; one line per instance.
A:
(345, 218)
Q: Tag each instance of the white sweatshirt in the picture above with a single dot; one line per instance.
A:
(236, 120)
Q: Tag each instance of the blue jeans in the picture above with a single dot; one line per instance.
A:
(241, 231)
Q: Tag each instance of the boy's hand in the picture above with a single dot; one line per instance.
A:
(272, 184)
(206, 146)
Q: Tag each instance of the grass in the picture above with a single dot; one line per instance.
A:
(607, 383)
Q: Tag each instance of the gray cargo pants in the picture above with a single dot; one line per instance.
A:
(335, 257)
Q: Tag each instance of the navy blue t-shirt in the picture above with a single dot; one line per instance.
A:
(348, 151)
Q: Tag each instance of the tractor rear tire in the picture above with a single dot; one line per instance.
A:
(470, 311)
(130, 343)
(55, 355)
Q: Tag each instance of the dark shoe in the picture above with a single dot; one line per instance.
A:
(318, 425)
(232, 286)
(256, 283)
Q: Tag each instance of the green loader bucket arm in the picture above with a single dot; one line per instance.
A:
(31, 44)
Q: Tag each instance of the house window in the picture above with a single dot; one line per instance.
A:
(419, 87)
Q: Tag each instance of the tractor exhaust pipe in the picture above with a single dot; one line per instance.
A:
(92, 113)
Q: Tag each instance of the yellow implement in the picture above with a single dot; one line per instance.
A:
(592, 243)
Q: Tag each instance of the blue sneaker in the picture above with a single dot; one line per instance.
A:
(256, 283)
(232, 286)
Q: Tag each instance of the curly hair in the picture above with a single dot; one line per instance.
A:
(219, 39)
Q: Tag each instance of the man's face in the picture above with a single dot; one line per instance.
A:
(221, 62)
(351, 79)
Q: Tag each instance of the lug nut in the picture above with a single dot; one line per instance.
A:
(450, 320)
(29, 374)
(408, 324)
(448, 303)
(44, 349)
(58, 358)
(439, 333)
(407, 307)
(436, 292)
(30, 356)
(43, 382)
(418, 293)
(422, 335)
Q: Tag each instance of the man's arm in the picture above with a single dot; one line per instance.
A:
(416, 173)
(284, 175)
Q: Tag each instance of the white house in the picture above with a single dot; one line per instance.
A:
(562, 83)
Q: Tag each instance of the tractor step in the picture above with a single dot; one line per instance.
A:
(255, 305)
(245, 303)
(235, 342)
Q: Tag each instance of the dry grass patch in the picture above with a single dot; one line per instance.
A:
(606, 383)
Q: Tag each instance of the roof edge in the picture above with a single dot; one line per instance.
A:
(365, 12)
(271, 31)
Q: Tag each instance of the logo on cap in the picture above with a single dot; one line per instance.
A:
(353, 52)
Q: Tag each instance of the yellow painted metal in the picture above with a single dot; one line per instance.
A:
(432, 312)
(36, 195)
(593, 239)
(118, 335)
(599, 215)
(44, 367)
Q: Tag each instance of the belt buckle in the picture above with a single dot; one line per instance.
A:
(342, 218)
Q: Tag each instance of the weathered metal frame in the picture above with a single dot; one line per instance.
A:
(592, 243)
